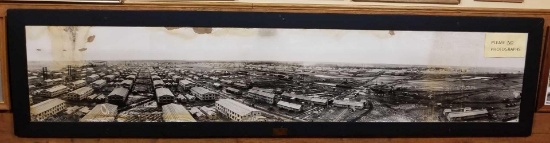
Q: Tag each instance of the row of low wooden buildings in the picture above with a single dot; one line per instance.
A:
(47, 108)
(237, 111)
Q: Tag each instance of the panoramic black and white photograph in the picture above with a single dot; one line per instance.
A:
(205, 74)
(547, 101)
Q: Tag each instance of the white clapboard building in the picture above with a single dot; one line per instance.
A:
(80, 94)
(164, 96)
(47, 108)
(55, 91)
(203, 93)
(236, 111)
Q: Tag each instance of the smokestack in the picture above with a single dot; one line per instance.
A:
(45, 73)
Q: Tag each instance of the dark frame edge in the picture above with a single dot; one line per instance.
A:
(12, 26)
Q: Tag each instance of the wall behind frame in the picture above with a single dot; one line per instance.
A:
(280, 7)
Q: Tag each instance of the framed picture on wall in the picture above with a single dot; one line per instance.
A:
(4, 93)
(544, 96)
(4, 99)
(263, 74)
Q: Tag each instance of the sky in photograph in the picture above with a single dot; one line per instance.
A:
(240, 44)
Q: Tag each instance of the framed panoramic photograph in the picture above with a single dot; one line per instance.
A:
(544, 82)
(4, 93)
(87, 73)
(4, 98)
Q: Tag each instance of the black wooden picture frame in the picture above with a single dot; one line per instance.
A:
(18, 19)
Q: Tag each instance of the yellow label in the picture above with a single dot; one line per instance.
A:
(505, 45)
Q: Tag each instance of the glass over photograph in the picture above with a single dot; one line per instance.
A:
(200, 74)
(547, 101)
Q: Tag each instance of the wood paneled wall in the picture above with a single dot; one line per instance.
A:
(541, 134)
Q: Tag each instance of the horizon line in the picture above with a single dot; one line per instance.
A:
(303, 62)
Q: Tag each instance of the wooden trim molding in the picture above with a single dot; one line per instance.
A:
(285, 7)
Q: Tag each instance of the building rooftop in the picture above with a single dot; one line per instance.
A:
(119, 91)
(93, 76)
(99, 82)
(226, 81)
(157, 82)
(291, 105)
(185, 82)
(201, 90)
(79, 82)
(262, 93)
(82, 90)
(45, 105)
(292, 95)
(233, 89)
(262, 89)
(344, 102)
(196, 111)
(204, 108)
(101, 113)
(93, 96)
(318, 100)
(176, 113)
(128, 82)
(180, 96)
(100, 97)
(163, 92)
(239, 84)
(188, 96)
(467, 113)
(208, 111)
(235, 106)
(56, 88)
